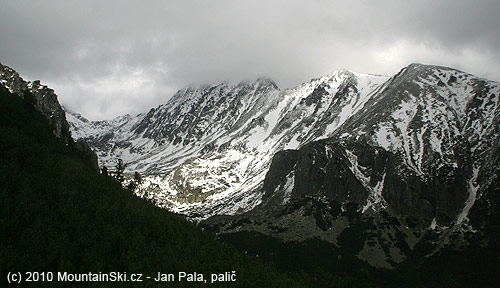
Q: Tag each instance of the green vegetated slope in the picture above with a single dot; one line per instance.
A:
(58, 214)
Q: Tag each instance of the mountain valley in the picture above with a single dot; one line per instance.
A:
(371, 172)
(410, 156)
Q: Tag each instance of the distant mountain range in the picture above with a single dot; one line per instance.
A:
(208, 149)
(378, 166)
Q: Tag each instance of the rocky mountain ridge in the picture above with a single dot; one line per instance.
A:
(439, 124)
(409, 174)
(206, 151)
(395, 160)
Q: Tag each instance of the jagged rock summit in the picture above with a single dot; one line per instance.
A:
(207, 150)
(45, 101)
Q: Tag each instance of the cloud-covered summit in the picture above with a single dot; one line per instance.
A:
(108, 58)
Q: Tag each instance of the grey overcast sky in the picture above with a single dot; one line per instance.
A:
(107, 58)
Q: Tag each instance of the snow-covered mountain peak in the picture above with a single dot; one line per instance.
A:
(70, 113)
(208, 149)
(236, 125)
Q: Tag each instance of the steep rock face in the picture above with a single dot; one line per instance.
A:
(370, 177)
(195, 113)
(44, 100)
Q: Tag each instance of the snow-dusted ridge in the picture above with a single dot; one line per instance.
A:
(208, 149)
(440, 121)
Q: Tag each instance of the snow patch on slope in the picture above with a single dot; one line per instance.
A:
(375, 199)
(473, 189)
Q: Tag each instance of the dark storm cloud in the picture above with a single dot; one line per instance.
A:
(106, 58)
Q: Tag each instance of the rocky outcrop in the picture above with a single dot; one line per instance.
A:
(45, 101)
(369, 177)
(84, 148)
